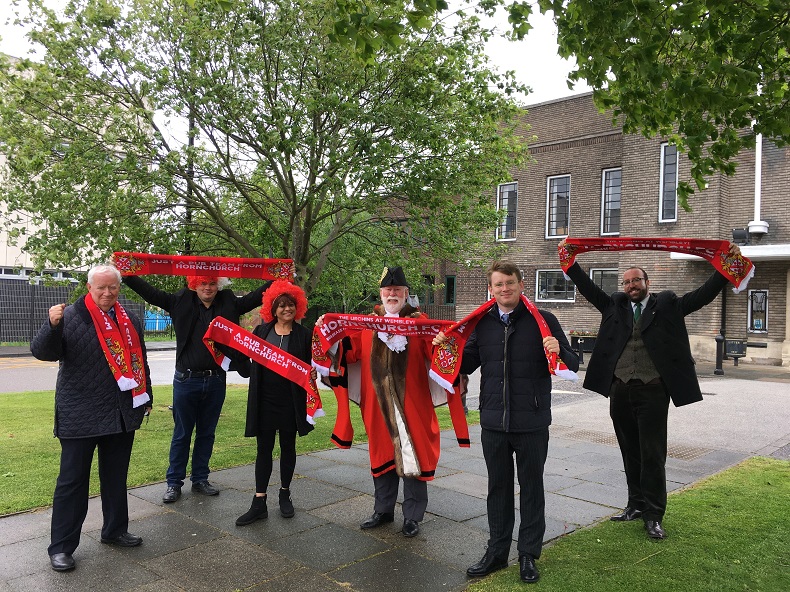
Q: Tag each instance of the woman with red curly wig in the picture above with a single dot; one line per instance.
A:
(275, 404)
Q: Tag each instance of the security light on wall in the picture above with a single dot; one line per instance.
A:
(740, 236)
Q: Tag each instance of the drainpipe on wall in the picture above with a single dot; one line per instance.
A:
(758, 227)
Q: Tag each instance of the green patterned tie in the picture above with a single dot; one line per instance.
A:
(637, 311)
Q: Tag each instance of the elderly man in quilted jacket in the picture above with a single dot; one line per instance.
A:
(101, 396)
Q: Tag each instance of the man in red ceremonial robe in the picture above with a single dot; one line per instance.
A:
(389, 375)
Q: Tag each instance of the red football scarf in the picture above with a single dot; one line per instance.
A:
(447, 357)
(738, 270)
(336, 326)
(273, 358)
(122, 350)
(145, 264)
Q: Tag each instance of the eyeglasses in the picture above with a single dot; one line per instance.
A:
(632, 281)
(509, 284)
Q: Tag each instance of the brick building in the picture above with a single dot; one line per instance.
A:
(588, 179)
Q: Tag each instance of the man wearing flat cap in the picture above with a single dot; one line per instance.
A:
(389, 375)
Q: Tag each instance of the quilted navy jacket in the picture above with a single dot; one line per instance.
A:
(88, 402)
(515, 384)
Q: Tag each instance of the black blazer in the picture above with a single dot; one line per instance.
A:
(299, 346)
(663, 331)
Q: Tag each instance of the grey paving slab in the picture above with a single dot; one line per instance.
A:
(306, 463)
(222, 564)
(349, 513)
(342, 474)
(607, 476)
(308, 494)
(567, 468)
(575, 511)
(275, 527)
(22, 558)
(243, 478)
(167, 533)
(27, 525)
(605, 495)
(92, 573)
(351, 456)
(609, 459)
(160, 585)
(447, 542)
(300, 580)
(330, 547)
(466, 483)
(404, 571)
(454, 505)
(559, 482)
(476, 466)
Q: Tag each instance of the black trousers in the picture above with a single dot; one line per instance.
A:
(639, 416)
(264, 463)
(70, 503)
(415, 495)
(531, 450)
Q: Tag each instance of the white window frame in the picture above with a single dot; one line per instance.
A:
(499, 209)
(749, 310)
(548, 206)
(537, 287)
(609, 269)
(661, 218)
(604, 172)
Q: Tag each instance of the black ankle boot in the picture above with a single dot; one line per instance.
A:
(286, 506)
(257, 511)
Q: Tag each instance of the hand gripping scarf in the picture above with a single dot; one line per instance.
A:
(145, 264)
(122, 350)
(447, 357)
(738, 270)
(224, 332)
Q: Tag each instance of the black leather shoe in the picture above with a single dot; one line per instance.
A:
(627, 515)
(654, 529)
(488, 564)
(527, 569)
(172, 494)
(378, 519)
(62, 561)
(204, 488)
(126, 539)
(411, 528)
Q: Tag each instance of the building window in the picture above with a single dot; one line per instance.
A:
(506, 204)
(449, 289)
(558, 201)
(553, 286)
(429, 284)
(758, 311)
(605, 279)
(610, 201)
(668, 197)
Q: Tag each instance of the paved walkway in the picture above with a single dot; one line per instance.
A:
(194, 544)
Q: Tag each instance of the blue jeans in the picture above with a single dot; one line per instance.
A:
(197, 403)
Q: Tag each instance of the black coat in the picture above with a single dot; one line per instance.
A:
(88, 402)
(515, 383)
(299, 346)
(663, 331)
(183, 307)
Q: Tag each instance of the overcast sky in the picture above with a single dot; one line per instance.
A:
(534, 60)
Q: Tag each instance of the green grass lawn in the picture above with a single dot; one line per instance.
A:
(728, 533)
(30, 455)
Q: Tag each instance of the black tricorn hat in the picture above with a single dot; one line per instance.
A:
(393, 276)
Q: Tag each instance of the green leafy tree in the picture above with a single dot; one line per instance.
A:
(241, 128)
(708, 74)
